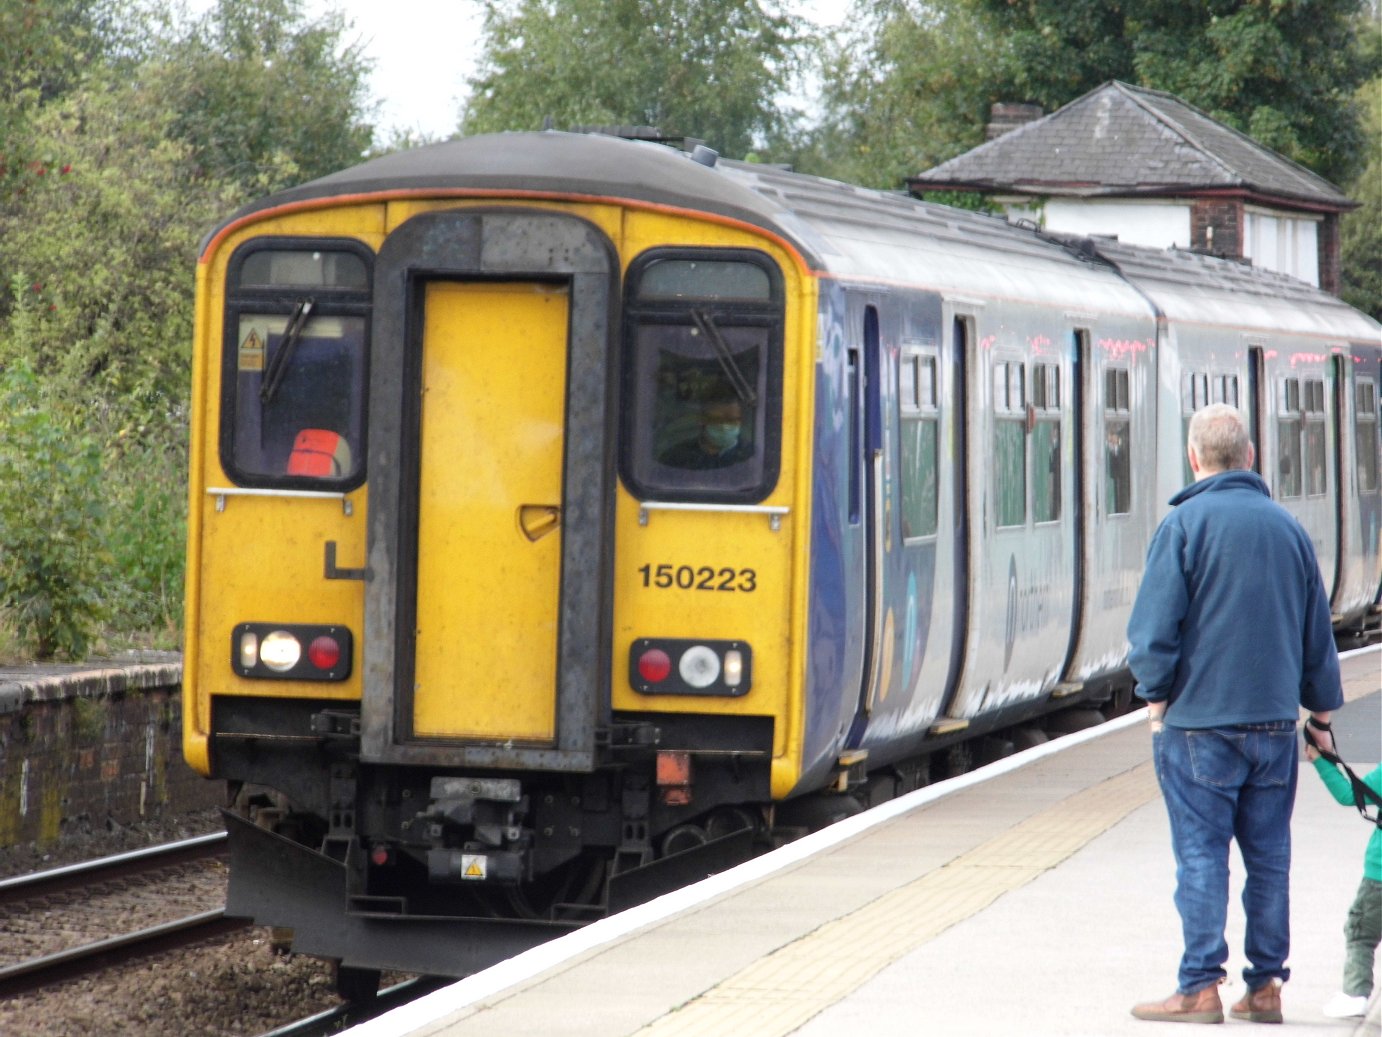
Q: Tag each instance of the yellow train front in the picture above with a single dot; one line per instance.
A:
(453, 665)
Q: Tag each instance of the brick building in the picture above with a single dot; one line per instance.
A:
(1153, 170)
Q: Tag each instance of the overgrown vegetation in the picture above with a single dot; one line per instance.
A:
(129, 127)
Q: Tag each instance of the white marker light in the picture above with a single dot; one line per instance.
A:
(699, 666)
(249, 649)
(280, 651)
(734, 668)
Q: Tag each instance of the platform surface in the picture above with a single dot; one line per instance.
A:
(1030, 897)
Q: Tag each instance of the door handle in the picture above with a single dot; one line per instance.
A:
(535, 521)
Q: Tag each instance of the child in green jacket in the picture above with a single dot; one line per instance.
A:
(1363, 927)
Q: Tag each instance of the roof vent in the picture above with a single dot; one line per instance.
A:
(705, 156)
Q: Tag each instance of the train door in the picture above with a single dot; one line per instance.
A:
(1340, 459)
(1082, 506)
(1256, 369)
(873, 465)
(487, 601)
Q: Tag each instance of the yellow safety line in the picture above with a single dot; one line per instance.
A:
(783, 990)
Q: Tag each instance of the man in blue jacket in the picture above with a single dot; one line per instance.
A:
(1230, 637)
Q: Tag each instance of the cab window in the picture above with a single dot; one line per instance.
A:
(702, 375)
(294, 364)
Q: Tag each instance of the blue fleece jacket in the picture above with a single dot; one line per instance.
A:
(1231, 623)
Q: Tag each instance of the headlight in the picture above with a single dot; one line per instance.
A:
(684, 666)
(291, 651)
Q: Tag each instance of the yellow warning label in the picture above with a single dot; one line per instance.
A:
(473, 865)
(252, 352)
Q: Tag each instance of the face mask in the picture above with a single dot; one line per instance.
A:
(722, 436)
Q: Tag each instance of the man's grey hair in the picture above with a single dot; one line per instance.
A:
(1219, 436)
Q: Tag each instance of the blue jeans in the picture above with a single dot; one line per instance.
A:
(1230, 783)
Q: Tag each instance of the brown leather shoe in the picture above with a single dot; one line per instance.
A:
(1262, 1005)
(1203, 1006)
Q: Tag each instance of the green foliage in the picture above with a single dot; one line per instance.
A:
(911, 84)
(1361, 230)
(1282, 71)
(689, 68)
(51, 512)
(263, 98)
(906, 88)
(124, 135)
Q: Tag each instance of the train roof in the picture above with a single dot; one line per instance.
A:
(1189, 286)
(839, 229)
(815, 215)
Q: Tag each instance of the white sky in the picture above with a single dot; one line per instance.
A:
(423, 51)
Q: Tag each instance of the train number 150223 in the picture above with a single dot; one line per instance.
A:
(698, 578)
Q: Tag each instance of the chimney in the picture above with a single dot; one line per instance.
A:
(1009, 115)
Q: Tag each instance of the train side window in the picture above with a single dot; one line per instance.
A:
(1365, 407)
(920, 443)
(1288, 430)
(702, 375)
(1315, 452)
(1046, 456)
(1117, 441)
(294, 363)
(1010, 442)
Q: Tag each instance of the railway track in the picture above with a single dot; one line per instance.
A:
(84, 918)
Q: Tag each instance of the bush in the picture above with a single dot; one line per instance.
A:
(52, 515)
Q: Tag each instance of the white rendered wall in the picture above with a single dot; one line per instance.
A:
(1156, 224)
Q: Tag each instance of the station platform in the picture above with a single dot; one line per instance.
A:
(1030, 897)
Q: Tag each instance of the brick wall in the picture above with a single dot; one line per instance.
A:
(91, 746)
(1331, 253)
(1216, 226)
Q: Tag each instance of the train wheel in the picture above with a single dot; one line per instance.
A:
(1071, 720)
(358, 986)
(1028, 738)
(682, 838)
(726, 820)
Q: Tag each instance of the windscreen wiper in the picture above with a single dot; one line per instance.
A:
(278, 363)
(742, 388)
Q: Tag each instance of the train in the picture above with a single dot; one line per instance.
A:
(574, 516)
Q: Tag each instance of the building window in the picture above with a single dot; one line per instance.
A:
(1117, 441)
(920, 443)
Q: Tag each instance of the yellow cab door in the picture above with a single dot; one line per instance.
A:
(490, 491)
(489, 510)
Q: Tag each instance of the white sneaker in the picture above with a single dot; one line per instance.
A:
(1345, 1006)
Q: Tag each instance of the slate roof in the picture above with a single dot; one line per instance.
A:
(1120, 140)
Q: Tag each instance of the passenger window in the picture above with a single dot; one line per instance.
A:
(1117, 441)
(702, 375)
(296, 340)
(1289, 426)
(1199, 390)
(1046, 457)
(1316, 473)
(917, 394)
(1010, 443)
(1366, 431)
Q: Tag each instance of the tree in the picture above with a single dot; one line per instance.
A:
(263, 97)
(903, 90)
(1284, 71)
(1361, 230)
(689, 68)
